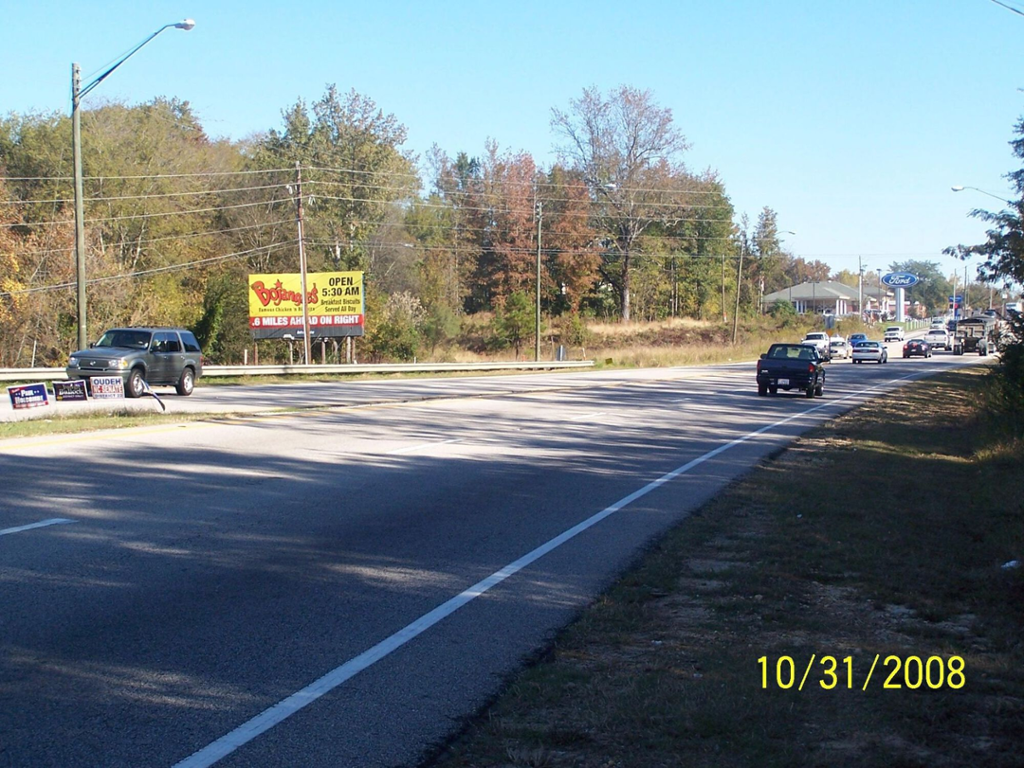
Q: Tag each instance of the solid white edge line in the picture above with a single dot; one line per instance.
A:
(583, 416)
(420, 446)
(275, 714)
(40, 524)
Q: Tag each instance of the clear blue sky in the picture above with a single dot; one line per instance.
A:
(850, 119)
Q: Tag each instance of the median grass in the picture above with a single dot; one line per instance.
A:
(886, 534)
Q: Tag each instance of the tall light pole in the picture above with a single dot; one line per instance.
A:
(539, 211)
(78, 92)
(879, 271)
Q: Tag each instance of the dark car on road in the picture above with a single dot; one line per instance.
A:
(916, 347)
(791, 366)
(141, 357)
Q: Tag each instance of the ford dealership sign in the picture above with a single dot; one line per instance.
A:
(900, 279)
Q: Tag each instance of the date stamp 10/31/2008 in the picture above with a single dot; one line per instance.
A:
(896, 673)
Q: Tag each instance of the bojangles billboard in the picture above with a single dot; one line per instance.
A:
(334, 300)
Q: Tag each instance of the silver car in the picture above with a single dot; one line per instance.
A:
(839, 348)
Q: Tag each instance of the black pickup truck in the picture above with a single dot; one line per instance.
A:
(791, 366)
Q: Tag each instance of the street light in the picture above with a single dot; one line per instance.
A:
(78, 92)
(961, 188)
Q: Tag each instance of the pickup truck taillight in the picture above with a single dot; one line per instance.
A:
(810, 368)
(758, 366)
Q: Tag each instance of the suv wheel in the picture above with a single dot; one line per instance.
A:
(136, 384)
(186, 383)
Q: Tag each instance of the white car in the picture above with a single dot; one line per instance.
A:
(872, 351)
(894, 333)
(818, 340)
(939, 338)
(838, 347)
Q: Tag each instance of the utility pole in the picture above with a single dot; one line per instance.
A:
(302, 266)
(967, 288)
(76, 151)
(725, 314)
(739, 284)
(539, 211)
(860, 288)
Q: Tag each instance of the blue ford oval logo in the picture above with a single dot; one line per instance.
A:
(900, 279)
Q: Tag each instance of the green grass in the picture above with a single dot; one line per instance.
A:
(883, 532)
(90, 422)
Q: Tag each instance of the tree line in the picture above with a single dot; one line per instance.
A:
(175, 221)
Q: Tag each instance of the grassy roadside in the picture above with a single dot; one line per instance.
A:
(897, 549)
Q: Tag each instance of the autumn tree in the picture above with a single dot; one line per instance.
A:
(571, 251)
(505, 222)
(149, 212)
(629, 152)
(443, 228)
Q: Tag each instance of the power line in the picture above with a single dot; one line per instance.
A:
(1009, 7)
(153, 271)
(184, 236)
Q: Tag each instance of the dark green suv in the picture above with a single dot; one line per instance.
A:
(141, 357)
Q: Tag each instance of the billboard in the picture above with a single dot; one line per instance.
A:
(334, 300)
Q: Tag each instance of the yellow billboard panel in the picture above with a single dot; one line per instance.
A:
(332, 299)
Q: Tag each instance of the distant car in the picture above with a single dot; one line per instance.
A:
(894, 333)
(837, 347)
(939, 338)
(915, 347)
(141, 357)
(873, 351)
(855, 339)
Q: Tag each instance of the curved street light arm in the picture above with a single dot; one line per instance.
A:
(961, 188)
(186, 24)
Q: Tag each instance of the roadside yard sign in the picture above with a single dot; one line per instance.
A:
(69, 391)
(28, 396)
(107, 387)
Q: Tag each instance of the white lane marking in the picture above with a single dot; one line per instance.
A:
(40, 524)
(285, 708)
(421, 446)
(587, 416)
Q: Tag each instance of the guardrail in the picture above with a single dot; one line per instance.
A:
(211, 371)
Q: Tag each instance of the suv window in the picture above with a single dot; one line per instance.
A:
(162, 342)
(191, 345)
(125, 339)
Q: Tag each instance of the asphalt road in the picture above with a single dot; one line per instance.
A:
(343, 587)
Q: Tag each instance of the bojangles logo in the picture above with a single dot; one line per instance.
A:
(280, 295)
